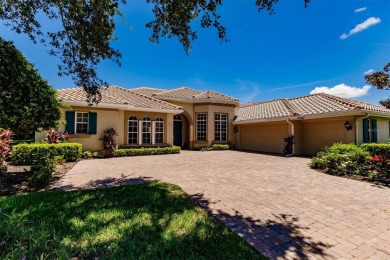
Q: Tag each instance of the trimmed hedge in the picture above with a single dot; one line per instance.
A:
(146, 151)
(27, 154)
(220, 147)
(377, 149)
(342, 159)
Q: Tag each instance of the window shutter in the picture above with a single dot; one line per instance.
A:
(366, 133)
(374, 131)
(70, 121)
(92, 123)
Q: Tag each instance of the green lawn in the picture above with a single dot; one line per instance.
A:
(155, 220)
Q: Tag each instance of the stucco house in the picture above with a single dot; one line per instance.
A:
(191, 119)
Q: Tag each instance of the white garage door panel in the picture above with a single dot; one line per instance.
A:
(263, 138)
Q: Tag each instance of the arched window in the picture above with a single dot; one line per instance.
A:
(159, 130)
(146, 130)
(177, 117)
(133, 130)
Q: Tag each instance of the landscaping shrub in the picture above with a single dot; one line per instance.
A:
(27, 154)
(342, 159)
(54, 137)
(146, 151)
(109, 143)
(220, 147)
(86, 155)
(41, 173)
(97, 154)
(288, 145)
(377, 149)
(380, 168)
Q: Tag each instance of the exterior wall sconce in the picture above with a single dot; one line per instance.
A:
(235, 129)
(347, 125)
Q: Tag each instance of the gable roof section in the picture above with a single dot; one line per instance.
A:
(117, 96)
(146, 91)
(316, 104)
(192, 95)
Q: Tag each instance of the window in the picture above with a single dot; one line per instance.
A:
(220, 127)
(146, 130)
(133, 130)
(159, 130)
(201, 127)
(81, 122)
(370, 131)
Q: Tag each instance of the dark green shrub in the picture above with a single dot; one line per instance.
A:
(27, 154)
(3, 168)
(342, 159)
(146, 151)
(86, 155)
(377, 149)
(41, 173)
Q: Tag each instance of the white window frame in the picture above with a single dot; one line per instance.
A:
(83, 123)
(159, 120)
(146, 120)
(203, 131)
(219, 122)
(134, 120)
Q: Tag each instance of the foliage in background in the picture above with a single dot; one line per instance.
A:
(27, 102)
(87, 30)
(5, 147)
(216, 147)
(27, 154)
(146, 151)
(147, 221)
(109, 144)
(377, 148)
(381, 80)
(86, 155)
(54, 137)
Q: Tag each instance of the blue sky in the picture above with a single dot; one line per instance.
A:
(291, 53)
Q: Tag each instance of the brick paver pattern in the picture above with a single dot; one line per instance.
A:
(279, 205)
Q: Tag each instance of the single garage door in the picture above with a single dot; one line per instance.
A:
(263, 137)
(320, 133)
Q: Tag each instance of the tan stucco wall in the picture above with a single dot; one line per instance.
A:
(382, 125)
(168, 120)
(264, 137)
(318, 133)
(106, 118)
(210, 110)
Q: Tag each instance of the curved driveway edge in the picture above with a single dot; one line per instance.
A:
(277, 204)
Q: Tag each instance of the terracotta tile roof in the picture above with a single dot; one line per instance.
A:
(147, 91)
(185, 93)
(315, 104)
(178, 93)
(117, 95)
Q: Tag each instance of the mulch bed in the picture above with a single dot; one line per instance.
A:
(15, 180)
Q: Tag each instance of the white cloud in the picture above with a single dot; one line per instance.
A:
(360, 9)
(370, 71)
(361, 27)
(343, 90)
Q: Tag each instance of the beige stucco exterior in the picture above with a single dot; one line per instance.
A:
(264, 137)
(383, 126)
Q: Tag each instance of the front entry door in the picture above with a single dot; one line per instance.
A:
(177, 133)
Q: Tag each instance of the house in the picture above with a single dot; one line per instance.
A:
(315, 121)
(192, 119)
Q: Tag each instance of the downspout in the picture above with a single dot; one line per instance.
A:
(356, 125)
(292, 128)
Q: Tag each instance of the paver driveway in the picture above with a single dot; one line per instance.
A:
(279, 205)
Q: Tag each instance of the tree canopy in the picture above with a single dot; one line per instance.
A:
(87, 28)
(381, 80)
(27, 102)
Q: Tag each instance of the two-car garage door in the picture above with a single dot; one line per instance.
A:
(265, 137)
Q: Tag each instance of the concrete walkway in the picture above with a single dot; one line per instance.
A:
(279, 205)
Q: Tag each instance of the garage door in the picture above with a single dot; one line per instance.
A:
(263, 137)
(318, 134)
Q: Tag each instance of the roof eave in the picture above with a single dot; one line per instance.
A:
(192, 101)
(123, 107)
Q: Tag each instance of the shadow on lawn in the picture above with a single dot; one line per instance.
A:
(278, 237)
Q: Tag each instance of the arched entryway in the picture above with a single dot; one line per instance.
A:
(181, 131)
